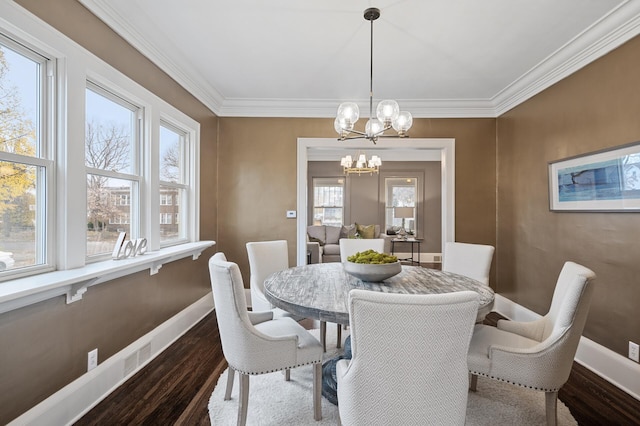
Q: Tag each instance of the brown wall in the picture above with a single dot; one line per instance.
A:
(597, 107)
(258, 178)
(44, 346)
(368, 190)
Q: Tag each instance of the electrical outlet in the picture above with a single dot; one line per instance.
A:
(634, 351)
(92, 359)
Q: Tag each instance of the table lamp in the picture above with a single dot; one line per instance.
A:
(403, 213)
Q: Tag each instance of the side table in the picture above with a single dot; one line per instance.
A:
(413, 242)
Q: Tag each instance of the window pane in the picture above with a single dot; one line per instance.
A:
(401, 192)
(18, 193)
(107, 216)
(19, 102)
(110, 133)
(171, 155)
(328, 201)
(170, 213)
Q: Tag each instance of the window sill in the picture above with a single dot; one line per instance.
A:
(75, 282)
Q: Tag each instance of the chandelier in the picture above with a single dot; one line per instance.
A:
(388, 114)
(361, 165)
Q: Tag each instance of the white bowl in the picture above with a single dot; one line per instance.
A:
(372, 272)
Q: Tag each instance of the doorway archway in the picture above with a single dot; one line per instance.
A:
(407, 149)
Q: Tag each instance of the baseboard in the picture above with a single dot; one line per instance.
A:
(611, 366)
(74, 400)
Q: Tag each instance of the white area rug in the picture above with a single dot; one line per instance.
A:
(273, 401)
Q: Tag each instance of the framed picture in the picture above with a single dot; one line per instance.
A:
(604, 181)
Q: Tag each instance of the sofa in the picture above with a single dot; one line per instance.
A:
(323, 241)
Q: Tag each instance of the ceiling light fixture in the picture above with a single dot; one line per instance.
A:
(388, 114)
(361, 165)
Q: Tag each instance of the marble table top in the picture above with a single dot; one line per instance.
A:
(320, 291)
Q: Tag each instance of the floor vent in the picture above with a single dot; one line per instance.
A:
(130, 363)
(145, 353)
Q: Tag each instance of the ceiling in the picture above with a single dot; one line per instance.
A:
(437, 58)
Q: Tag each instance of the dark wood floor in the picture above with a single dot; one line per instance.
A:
(175, 388)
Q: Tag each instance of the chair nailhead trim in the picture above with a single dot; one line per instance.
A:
(272, 371)
(514, 383)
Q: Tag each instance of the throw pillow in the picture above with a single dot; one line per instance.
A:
(366, 231)
(348, 231)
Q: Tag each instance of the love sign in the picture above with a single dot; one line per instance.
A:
(131, 248)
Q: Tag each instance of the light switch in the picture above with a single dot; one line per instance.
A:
(291, 214)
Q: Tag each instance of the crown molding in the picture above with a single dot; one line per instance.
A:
(323, 108)
(611, 31)
(195, 85)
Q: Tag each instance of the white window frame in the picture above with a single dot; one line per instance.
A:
(191, 152)
(66, 205)
(344, 194)
(135, 175)
(44, 160)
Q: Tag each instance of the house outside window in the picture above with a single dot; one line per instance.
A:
(328, 201)
(174, 154)
(112, 140)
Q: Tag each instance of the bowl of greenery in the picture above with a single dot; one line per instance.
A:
(372, 266)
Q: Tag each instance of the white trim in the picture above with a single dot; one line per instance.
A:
(610, 32)
(416, 146)
(611, 366)
(70, 403)
(74, 283)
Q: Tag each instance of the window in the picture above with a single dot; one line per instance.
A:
(165, 218)
(123, 199)
(26, 166)
(166, 199)
(85, 153)
(328, 201)
(401, 192)
(174, 155)
(112, 138)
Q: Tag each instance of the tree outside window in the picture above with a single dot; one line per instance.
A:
(22, 165)
(111, 141)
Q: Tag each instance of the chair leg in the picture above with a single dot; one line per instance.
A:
(323, 335)
(473, 382)
(551, 403)
(243, 400)
(287, 374)
(339, 339)
(317, 391)
(230, 374)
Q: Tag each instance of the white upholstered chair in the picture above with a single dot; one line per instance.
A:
(470, 260)
(351, 246)
(537, 354)
(256, 343)
(265, 258)
(409, 363)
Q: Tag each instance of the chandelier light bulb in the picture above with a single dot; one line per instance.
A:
(403, 123)
(373, 128)
(387, 111)
(348, 112)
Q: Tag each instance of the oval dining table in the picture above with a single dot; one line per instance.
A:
(320, 291)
